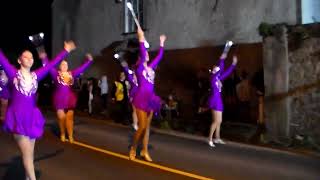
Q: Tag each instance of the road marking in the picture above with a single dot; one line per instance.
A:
(142, 162)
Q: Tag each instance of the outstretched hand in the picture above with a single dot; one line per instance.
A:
(124, 64)
(69, 46)
(42, 55)
(89, 56)
(226, 49)
(234, 60)
(162, 39)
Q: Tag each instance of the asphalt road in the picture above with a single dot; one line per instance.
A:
(174, 157)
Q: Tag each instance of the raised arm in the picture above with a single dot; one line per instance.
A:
(76, 72)
(7, 67)
(142, 48)
(127, 71)
(45, 61)
(159, 56)
(224, 55)
(226, 73)
(221, 62)
(68, 47)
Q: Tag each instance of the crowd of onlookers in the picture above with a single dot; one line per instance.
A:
(242, 94)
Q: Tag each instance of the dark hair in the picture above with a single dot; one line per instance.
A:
(21, 51)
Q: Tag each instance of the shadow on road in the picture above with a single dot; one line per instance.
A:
(15, 169)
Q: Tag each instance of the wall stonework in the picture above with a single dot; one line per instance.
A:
(304, 80)
(292, 82)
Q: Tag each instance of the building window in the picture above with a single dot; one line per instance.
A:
(129, 24)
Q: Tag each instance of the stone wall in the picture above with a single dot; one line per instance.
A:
(291, 63)
(305, 88)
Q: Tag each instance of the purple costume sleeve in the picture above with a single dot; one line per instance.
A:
(45, 61)
(76, 72)
(226, 73)
(157, 59)
(7, 67)
(41, 72)
(142, 54)
(129, 76)
(221, 64)
(53, 71)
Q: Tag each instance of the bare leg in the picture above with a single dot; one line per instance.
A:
(69, 123)
(213, 125)
(145, 152)
(61, 121)
(142, 119)
(218, 119)
(26, 147)
(134, 118)
(146, 135)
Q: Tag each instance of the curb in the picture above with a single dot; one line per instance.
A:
(233, 143)
(204, 139)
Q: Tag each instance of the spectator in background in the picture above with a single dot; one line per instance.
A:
(258, 85)
(230, 92)
(201, 91)
(90, 94)
(244, 94)
(103, 84)
(171, 107)
(121, 99)
(82, 104)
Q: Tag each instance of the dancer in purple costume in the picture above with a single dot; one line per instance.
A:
(132, 78)
(145, 100)
(215, 100)
(64, 99)
(23, 118)
(4, 94)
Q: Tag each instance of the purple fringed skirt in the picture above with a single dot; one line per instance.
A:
(64, 98)
(147, 101)
(215, 102)
(27, 121)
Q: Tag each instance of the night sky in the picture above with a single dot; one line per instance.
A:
(19, 19)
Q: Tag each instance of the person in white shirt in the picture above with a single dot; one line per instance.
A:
(103, 84)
